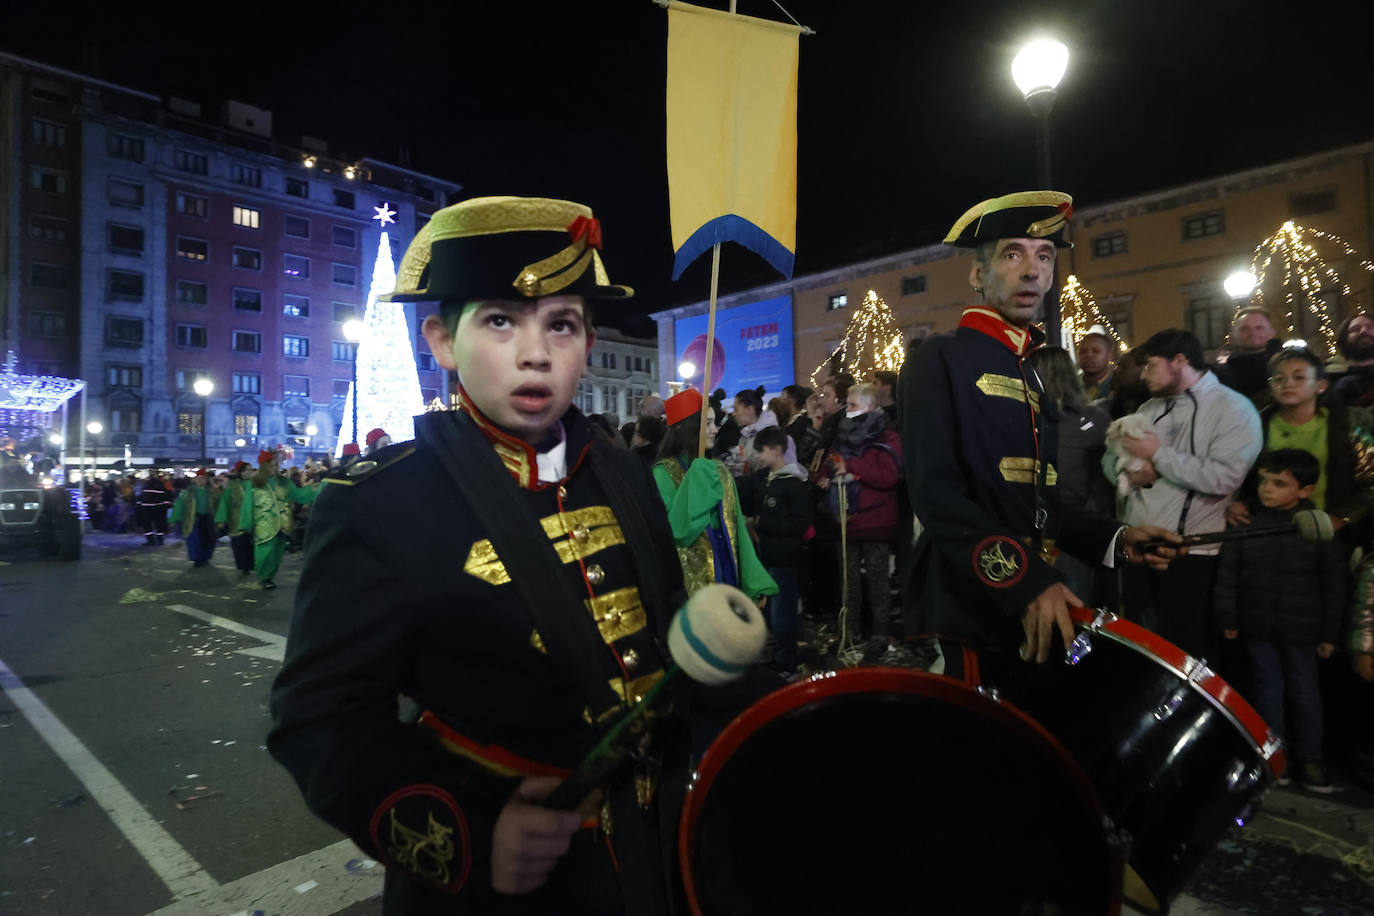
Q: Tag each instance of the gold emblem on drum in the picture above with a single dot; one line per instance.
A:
(999, 561)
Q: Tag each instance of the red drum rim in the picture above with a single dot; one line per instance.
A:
(856, 680)
(1213, 685)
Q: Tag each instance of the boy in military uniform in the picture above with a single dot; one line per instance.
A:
(512, 574)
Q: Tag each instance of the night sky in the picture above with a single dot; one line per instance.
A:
(907, 110)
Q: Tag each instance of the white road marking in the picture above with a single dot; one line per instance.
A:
(182, 874)
(336, 877)
(275, 649)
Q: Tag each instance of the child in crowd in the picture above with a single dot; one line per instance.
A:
(782, 519)
(1285, 597)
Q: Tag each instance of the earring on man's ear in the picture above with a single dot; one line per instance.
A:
(978, 290)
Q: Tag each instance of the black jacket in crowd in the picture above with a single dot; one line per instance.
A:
(1248, 373)
(1281, 587)
(783, 511)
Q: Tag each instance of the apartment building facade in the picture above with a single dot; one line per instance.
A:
(621, 370)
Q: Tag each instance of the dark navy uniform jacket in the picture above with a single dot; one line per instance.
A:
(402, 593)
(981, 449)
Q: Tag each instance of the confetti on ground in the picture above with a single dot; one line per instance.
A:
(307, 886)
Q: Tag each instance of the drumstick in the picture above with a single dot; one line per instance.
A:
(714, 638)
(1309, 524)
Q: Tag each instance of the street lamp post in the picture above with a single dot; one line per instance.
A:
(94, 428)
(1037, 69)
(204, 387)
(353, 332)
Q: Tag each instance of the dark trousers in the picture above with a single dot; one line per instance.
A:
(1176, 603)
(873, 582)
(200, 546)
(782, 617)
(154, 520)
(242, 546)
(1286, 680)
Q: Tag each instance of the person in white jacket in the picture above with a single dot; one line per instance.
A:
(1204, 439)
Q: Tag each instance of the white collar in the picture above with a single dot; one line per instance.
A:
(553, 464)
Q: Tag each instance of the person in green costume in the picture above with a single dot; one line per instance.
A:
(230, 515)
(708, 525)
(266, 512)
(194, 511)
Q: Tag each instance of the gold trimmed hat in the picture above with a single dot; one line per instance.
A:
(1023, 215)
(506, 248)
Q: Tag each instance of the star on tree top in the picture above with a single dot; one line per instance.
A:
(385, 214)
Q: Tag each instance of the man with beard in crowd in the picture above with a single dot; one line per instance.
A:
(1355, 344)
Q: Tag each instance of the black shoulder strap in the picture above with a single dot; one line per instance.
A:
(568, 631)
(619, 493)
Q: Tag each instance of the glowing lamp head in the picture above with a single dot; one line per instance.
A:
(240, 442)
(687, 369)
(203, 387)
(1240, 284)
(353, 330)
(311, 430)
(55, 439)
(1039, 66)
(94, 427)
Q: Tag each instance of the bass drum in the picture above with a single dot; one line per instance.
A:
(1176, 754)
(877, 791)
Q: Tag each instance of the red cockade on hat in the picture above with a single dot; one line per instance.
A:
(588, 226)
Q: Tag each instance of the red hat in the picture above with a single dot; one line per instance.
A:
(375, 434)
(682, 405)
(267, 455)
(351, 448)
(240, 465)
(202, 473)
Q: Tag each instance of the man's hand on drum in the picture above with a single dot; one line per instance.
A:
(1157, 557)
(529, 839)
(1050, 609)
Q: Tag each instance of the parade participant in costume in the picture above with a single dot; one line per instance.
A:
(709, 526)
(981, 449)
(194, 511)
(377, 439)
(351, 453)
(511, 572)
(230, 515)
(266, 512)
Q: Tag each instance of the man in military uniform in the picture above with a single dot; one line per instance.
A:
(512, 574)
(981, 449)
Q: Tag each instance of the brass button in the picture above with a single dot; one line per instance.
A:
(562, 494)
(630, 658)
(581, 533)
(595, 574)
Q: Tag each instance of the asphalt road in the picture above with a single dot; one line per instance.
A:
(134, 777)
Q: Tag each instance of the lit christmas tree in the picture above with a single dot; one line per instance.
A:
(1290, 260)
(871, 341)
(1078, 313)
(388, 388)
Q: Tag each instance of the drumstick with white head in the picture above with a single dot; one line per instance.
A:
(713, 639)
(1308, 524)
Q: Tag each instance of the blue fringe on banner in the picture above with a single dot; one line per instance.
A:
(731, 228)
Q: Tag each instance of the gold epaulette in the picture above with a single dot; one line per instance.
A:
(365, 468)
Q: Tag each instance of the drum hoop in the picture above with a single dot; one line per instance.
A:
(1214, 687)
(839, 683)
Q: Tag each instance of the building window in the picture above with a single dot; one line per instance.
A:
(48, 181)
(343, 274)
(122, 146)
(586, 399)
(247, 300)
(247, 383)
(913, 285)
(195, 163)
(425, 362)
(117, 376)
(247, 258)
(609, 395)
(297, 188)
(192, 249)
(193, 205)
(49, 133)
(343, 198)
(189, 423)
(125, 284)
(49, 276)
(293, 265)
(341, 386)
(648, 364)
(125, 239)
(295, 345)
(186, 378)
(1306, 203)
(125, 418)
(123, 332)
(192, 335)
(1120, 318)
(48, 228)
(295, 306)
(344, 312)
(49, 91)
(295, 386)
(297, 227)
(607, 360)
(191, 292)
(1208, 320)
(344, 237)
(246, 217)
(247, 342)
(837, 302)
(246, 174)
(345, 351)
(1204, 225)
(123, 193)
(47, 324)
(245, 424)
(1104, 246)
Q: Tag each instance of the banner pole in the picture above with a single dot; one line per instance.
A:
(710, 341)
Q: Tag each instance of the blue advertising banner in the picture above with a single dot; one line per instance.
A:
(753, 347)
